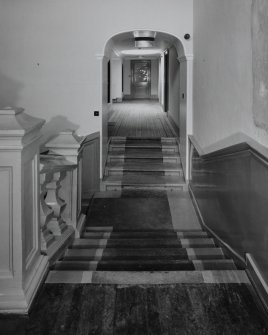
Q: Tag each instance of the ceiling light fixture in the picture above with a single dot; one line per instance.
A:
(144, 39)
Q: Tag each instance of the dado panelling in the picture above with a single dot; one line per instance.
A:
(230, 187)
(6, 262)
(30, 210)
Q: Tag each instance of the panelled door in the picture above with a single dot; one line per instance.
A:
(141, 79)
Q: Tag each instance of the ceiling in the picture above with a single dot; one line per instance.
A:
(124, 44)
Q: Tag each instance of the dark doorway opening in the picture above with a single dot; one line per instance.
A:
(109, 82)
(140, 79)
(166, 80)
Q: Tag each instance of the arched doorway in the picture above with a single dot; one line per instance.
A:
(124, 51)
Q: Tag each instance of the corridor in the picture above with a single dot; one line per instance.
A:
(143, 264)
(142, 118)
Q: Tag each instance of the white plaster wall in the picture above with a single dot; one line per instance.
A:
(48, 62)
(127, 77)
(174, 87)
(162, 80)
(223, 71)
(154, 76)
(116, 78)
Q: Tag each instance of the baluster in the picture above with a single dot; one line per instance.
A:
(56, 225)
(67, 144)
(46, 214)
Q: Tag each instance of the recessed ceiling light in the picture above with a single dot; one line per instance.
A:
(136, 52)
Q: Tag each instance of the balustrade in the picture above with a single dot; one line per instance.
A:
(40, 204)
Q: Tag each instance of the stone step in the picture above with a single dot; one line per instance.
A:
(168, 147)
(142, 234)
(148, 277)
(214, 264)
(143, 243)
(143, 253)
(129, 265)
(143, 166)
(146, 265)
(134, 154)
(143, 181)
(137, 140)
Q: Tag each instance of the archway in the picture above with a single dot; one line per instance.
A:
(124, 46)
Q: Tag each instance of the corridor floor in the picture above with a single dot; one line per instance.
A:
(139, 119)
(182, 308)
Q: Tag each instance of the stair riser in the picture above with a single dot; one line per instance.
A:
(119, 187)
(111, 172)
(144, 243)
(126, 246)
(164, 148)
(143, 235)
(137, 159)
(106, 266)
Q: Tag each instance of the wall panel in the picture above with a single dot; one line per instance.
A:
(230, 187)
(6, 261)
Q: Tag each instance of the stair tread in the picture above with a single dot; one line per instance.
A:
(148, 277)
(143, 243)
(146, 264)
(134, 153)
(148, 235)
(142, 144)
(130, 265)
(145, 179)
(144, 166)
(157, 230)
(143, 253)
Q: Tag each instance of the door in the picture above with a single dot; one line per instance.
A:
(141, 79)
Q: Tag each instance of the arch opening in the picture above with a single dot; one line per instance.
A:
(169, 85)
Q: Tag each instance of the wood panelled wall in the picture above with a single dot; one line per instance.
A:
(230, 187)
(90, 154)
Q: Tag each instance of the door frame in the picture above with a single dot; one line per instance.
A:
(132, 62)
(166, 81)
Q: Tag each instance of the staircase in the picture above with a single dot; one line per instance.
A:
(138, 257)
(144, 163)
(108, 254)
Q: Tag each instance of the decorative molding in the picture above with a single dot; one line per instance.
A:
(7, 174)
(18, 129)
(66, 144)
(238, 141)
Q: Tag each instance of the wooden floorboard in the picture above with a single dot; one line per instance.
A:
(140, 309)
(140, 119)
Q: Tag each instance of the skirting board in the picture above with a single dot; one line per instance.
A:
(257, 280)
(252, 270)
(80, 225)
(174, 126)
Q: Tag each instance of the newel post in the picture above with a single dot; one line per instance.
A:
(22, 267)
(68, 145)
